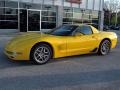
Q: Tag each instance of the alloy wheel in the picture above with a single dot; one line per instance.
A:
(105, 47)
(42, 54)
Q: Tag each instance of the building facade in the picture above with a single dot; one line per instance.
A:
(42, 15)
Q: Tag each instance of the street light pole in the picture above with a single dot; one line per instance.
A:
(116, 18)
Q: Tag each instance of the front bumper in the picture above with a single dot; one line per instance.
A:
(13, 55)
(17, 56)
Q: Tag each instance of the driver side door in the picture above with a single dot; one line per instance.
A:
(83, 41)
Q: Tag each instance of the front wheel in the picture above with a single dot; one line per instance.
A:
(41, 54)
(104, 47)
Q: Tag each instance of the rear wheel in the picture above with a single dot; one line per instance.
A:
(104, 47)
(41, 54)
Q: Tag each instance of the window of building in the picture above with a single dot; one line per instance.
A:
(8, 15)
(67, 15)
(95, 18)
(95, 14)
(9, 24)
(48, 17)
(2, 11)
(11, 4)
(30, 6)
(77, 16)
(87, 16)
(23, 20)
(2, 3)
(11, 11)
(38, 1)
(49, 2)
(49, 8)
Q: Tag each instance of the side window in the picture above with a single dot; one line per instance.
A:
(86, 30)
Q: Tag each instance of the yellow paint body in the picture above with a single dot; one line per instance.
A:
(19, 48)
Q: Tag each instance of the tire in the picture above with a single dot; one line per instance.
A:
(41, 54)
(105, 47)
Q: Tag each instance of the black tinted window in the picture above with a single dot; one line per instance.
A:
(85, 30)
(65, 30)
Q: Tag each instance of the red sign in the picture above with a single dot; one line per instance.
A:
(74, 1)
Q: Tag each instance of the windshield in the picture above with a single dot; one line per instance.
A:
(65, 30)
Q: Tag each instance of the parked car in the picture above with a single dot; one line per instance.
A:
(112, 27)
(118, 28)
(106, 27)
(66, 40)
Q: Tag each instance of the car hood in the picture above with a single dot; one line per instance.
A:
(24, 38)
(28, 36)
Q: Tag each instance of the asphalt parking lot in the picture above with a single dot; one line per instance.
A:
(84, 72)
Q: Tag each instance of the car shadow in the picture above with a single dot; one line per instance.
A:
(7, 63)
(72, 58)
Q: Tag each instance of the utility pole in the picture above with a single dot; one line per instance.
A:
(116, 18)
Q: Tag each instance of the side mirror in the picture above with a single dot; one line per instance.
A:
(78, 34)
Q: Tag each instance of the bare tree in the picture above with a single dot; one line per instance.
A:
(112, 6)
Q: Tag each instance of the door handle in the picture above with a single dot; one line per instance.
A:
(93, 36)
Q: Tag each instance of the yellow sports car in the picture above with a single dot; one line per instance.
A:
(66, 40)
